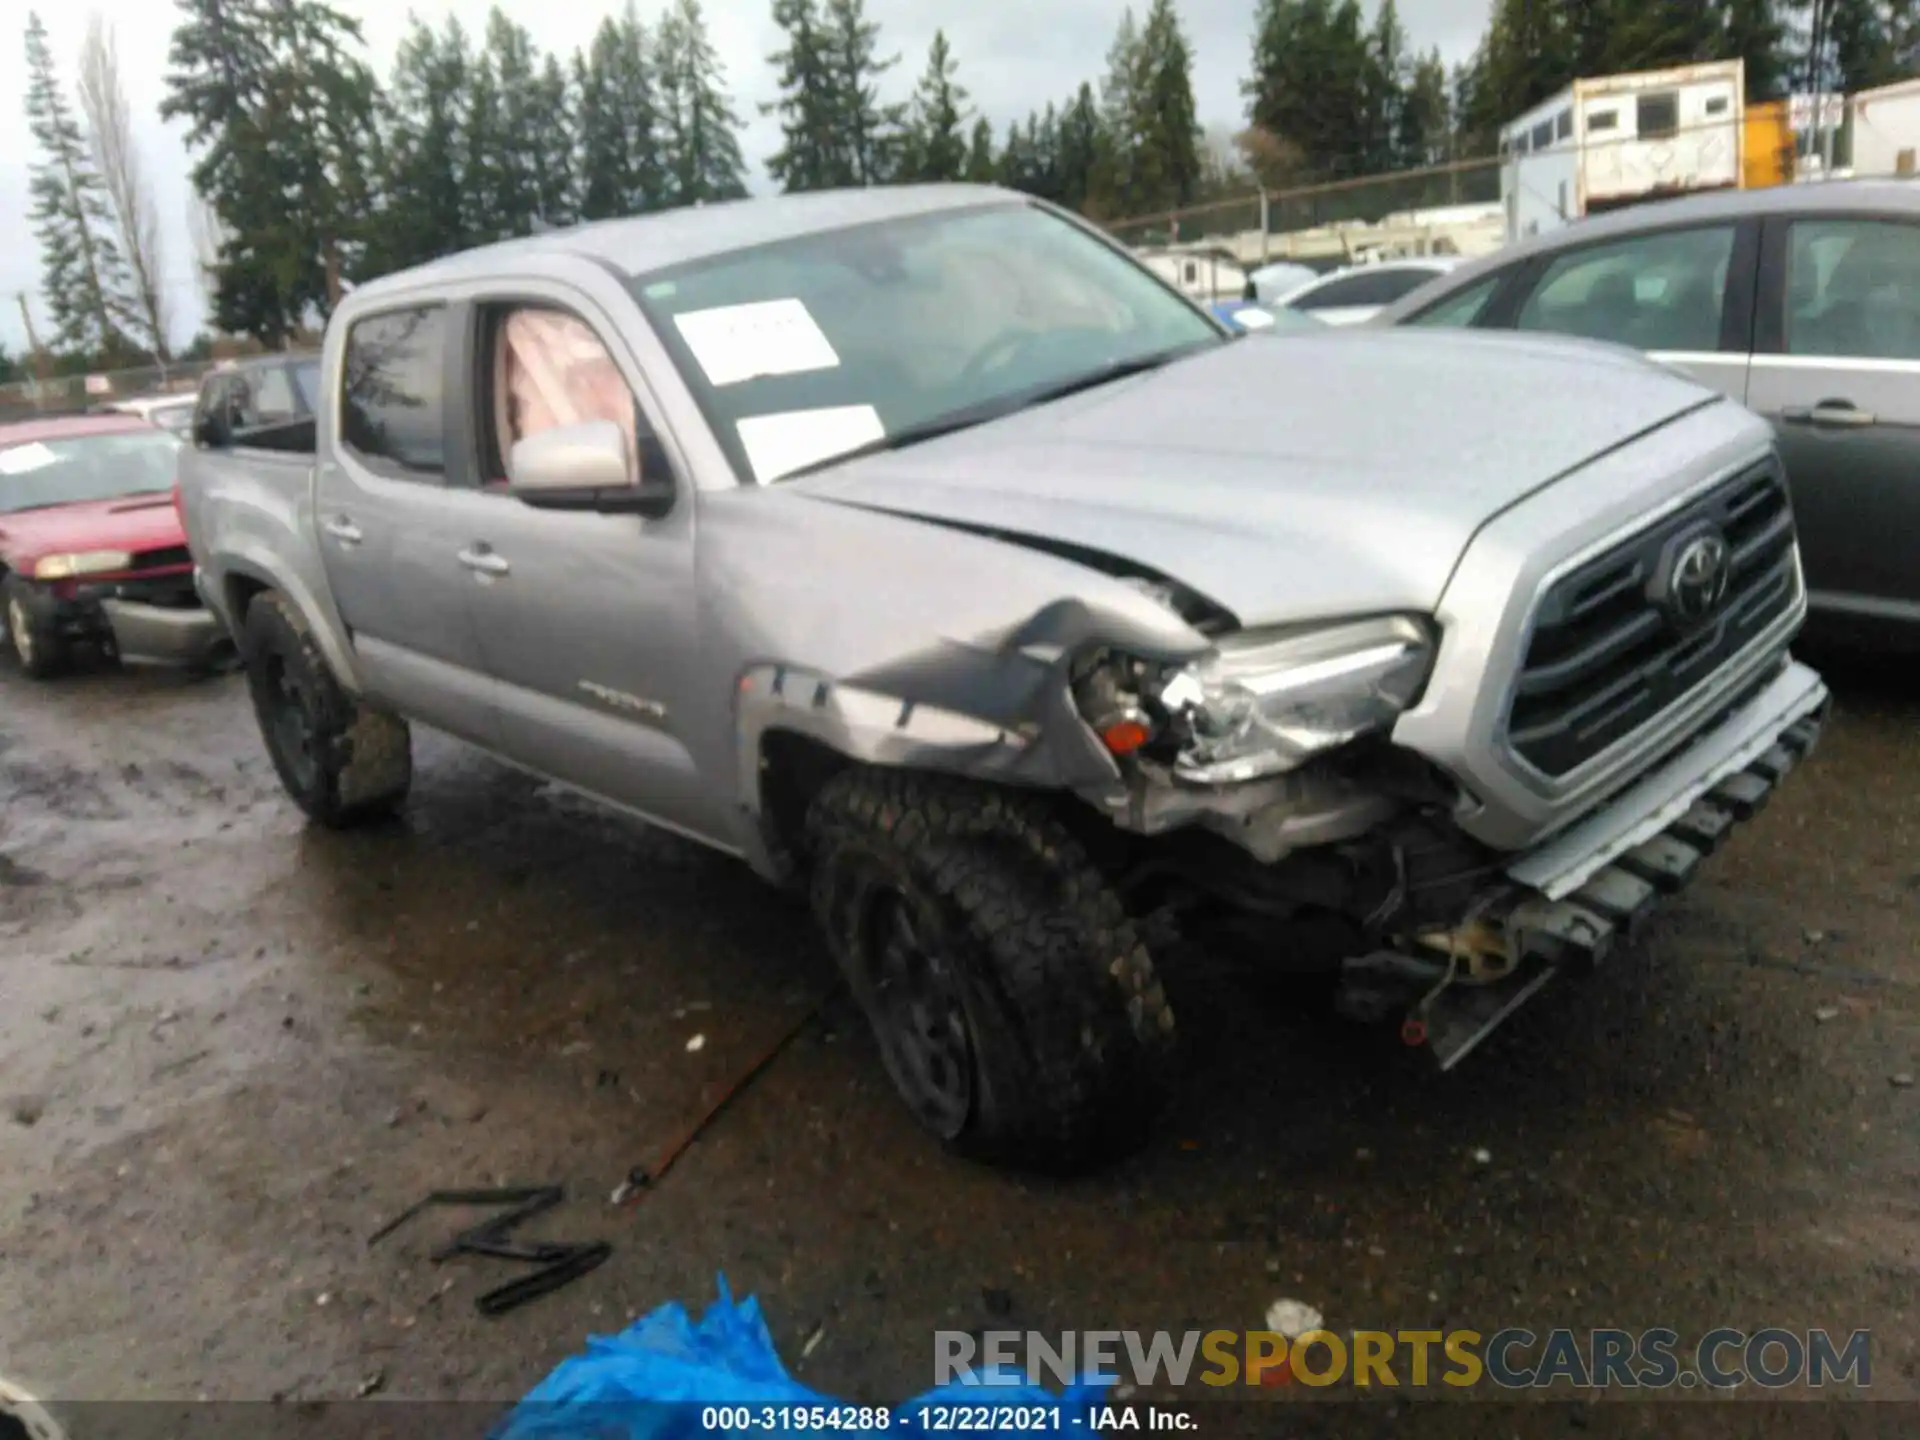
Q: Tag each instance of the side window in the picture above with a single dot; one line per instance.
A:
(1563, 125)
(1654, 292)
(1381, 287)
(1853, 288)
(1657, 116)
(390, 405)
(549, 369)
(1463, 308)
(273, 398)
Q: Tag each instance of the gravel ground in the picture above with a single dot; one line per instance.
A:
(231, 1046)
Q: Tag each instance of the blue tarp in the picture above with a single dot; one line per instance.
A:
(667, 1376)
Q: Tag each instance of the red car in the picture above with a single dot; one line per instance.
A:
(91, 548)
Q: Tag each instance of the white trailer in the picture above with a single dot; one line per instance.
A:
(1206, 272)
(1886, 129)
(1617, 139)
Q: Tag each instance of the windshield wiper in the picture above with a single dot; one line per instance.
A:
(972, 415)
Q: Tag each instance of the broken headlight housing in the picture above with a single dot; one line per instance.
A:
(1262, 702)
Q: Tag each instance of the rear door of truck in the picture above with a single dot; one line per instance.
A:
(395, 536)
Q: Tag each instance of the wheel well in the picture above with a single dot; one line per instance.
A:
(240, 592)
(793, 767)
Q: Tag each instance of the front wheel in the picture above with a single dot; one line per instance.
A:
(341, 760)
(40, 649)
(1014, 1003)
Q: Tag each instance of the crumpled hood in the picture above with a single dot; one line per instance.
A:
(130, 522)
(1288, 477)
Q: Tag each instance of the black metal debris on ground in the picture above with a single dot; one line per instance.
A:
(560, 1264)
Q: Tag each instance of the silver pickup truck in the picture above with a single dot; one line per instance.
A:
(924, 550)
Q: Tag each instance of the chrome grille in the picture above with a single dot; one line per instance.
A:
(1603, 658)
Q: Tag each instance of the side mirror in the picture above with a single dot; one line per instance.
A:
(587, 467)
(210, 429)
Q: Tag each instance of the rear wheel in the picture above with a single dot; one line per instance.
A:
(341, 760)
(40, 649)
(1014, 1003)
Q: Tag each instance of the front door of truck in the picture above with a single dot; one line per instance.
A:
(590, 623)
(391, 529)
(1837, 369)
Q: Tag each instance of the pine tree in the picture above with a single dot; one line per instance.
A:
(552, 144)
(484, 215)
(936, 146)
(1167, 166)
(1118, 180)
(1386, 80)
(602, 124)
(1310, 89)
(425, 207)
(514, 158)
(1079, 148)
(1426, 119)
(702, 130)
(1527, 55)
(982, 165)
(810, 156)
(276, 95)
(645, 179)
(1865, 43)
(1754, 34)
(83, 273)
(869, 132)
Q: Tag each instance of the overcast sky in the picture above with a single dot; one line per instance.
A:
(1014, 55)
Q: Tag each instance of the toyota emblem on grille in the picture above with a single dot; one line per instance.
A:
(1693, 581)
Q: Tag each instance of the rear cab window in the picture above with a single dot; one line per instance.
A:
(393, 374)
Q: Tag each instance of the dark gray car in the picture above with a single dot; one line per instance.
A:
(1803, 301)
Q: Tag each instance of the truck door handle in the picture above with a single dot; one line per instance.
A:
(343, 530)
(1833, 414)
(484, 562)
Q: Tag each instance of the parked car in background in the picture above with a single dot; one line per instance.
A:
(266, 402)
(91, 549)
(172, 413)
(1283, 277)
(1803, 301)
(918, 546)
(1359, 292)
(1253, 315)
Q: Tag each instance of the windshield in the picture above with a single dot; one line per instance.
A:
(804, 349)
(85, 467)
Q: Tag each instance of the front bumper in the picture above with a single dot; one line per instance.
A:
(182, 636)
(1564, 905)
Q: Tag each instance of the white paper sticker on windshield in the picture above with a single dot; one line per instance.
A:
(777, 445)
(741, 342)
(19, 459)
(1251, 319)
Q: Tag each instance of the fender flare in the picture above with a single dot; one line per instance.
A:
(262, 567)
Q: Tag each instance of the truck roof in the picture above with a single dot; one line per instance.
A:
(640, 243)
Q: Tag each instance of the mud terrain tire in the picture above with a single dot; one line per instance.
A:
(343, 762)
(1012, 997)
